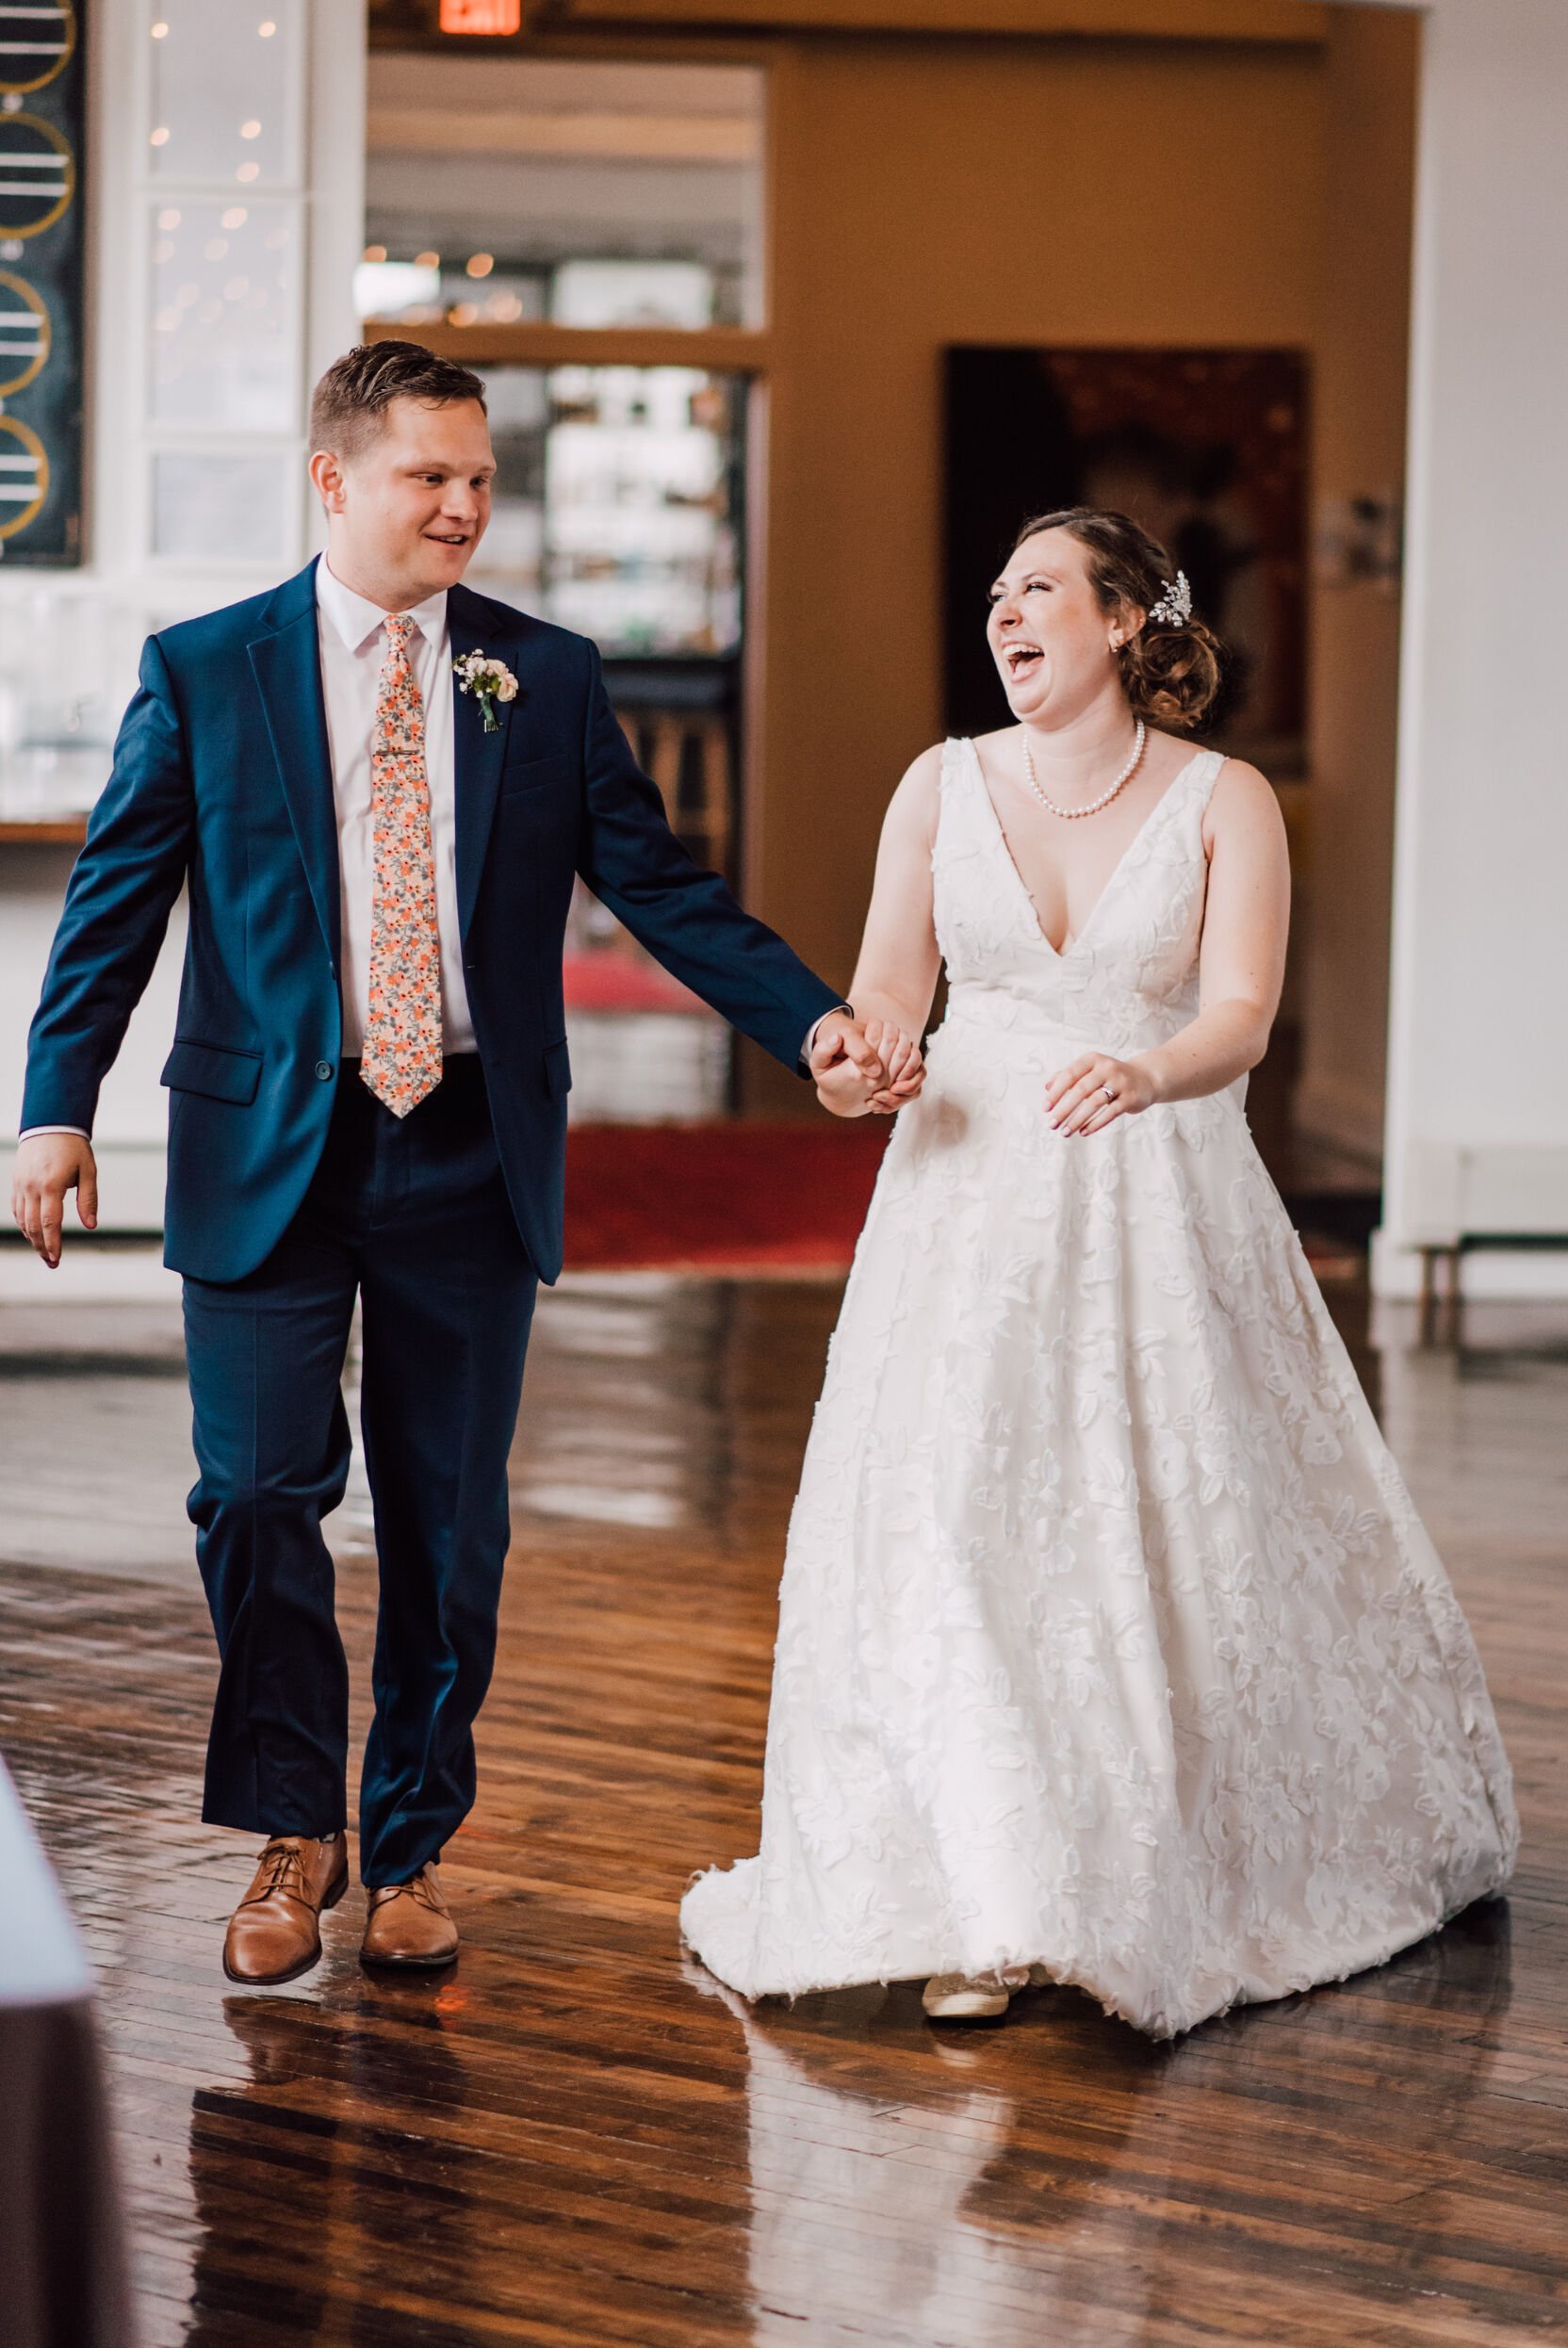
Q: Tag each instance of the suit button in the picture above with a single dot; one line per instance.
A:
(323, 1070)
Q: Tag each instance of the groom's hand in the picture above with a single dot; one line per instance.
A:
(47, 1165)
(844, 1051)
(885, 1072)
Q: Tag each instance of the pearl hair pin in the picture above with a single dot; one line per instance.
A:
(1072, 815)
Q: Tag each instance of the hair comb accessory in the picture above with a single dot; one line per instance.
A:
(1174, 608)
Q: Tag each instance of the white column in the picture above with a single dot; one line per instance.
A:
(226, 191)
(1479, 1016)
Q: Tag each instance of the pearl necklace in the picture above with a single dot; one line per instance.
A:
(1072, 815)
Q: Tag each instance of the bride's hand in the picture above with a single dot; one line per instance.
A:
(1093, 1092)
(905, 1063)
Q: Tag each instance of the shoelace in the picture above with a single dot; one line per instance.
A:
(285, 1859)
(420, 1887)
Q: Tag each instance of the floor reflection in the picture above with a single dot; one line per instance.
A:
(304, 2179)
(1040, 2181)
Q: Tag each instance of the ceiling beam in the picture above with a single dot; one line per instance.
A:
(1267, 21)
(717, 350)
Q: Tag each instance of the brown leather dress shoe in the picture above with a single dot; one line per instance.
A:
(409, 1923)
(275, 1933)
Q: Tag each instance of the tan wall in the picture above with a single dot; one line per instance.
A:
(925, 194)
(1360, 444)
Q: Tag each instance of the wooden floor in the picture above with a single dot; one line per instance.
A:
(576, 2139)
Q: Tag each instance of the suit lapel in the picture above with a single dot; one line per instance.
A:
(287, 669)
(475, 625)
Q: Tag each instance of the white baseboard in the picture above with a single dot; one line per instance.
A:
(1497, 1275)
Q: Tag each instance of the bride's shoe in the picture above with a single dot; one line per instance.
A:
(966, 1997)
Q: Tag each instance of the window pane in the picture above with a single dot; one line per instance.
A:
(225, 310)
(228, 88)
(221, 509)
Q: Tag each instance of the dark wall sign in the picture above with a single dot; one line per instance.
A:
(42, 137)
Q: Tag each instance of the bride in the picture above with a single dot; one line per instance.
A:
(1111, 1650)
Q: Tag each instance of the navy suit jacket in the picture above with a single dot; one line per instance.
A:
(222, 781)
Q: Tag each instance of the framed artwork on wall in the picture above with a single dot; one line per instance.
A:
(41, 284)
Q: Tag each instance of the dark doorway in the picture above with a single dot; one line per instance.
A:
(1206, 449)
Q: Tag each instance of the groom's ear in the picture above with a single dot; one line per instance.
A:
(326, 475)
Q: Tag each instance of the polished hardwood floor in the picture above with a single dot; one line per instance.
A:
(576, 2138)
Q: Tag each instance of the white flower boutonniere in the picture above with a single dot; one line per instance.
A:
(488, 680)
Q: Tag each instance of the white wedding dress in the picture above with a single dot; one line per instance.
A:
(1109, 1639)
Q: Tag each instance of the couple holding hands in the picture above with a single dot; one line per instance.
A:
(1111, 1650)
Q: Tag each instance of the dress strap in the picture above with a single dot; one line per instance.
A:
(1204, 773)
(951, 793)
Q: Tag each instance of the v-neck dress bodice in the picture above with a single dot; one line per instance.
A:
(1109, 1640)
(1129, 979)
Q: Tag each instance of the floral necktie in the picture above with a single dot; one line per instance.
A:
(402, 1059)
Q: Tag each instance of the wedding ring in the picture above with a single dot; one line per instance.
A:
(1108, 1093)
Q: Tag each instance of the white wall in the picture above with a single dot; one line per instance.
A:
(312, 182)
(1479, 1016)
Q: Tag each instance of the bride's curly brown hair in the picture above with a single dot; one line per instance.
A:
(1169, 669)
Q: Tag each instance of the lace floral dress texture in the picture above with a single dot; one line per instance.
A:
(1109, 1639)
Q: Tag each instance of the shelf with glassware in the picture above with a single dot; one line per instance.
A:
(617, 514)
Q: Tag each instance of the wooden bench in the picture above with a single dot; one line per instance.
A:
(1511, 1197)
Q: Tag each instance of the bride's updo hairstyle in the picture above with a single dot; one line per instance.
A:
(1169, 668)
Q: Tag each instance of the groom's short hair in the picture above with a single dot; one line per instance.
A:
(349, 405)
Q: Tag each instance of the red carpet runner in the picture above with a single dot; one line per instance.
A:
(777, 1201)
(742, 1198)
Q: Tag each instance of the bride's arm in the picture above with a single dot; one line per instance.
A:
(895, 977)
(1240, 972)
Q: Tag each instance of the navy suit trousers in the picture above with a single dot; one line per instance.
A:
(413, 1217)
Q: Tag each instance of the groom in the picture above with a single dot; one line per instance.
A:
(367, 1097)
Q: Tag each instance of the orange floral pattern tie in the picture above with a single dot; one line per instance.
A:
(401, 1060)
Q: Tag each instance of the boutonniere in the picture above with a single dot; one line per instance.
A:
(488, 680)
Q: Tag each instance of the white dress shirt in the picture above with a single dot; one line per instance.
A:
(353, 641)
